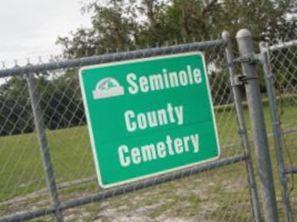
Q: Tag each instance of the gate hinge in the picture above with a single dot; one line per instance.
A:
(250, 59)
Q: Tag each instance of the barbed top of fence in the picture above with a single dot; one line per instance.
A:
(110, 57)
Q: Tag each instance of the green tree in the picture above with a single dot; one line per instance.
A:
(60, 102)
(15, 112)
(123, 24)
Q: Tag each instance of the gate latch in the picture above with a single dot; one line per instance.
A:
(240, 80)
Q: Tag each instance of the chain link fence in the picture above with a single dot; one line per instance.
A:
(283, 63)
(216, 191)
(46, 164)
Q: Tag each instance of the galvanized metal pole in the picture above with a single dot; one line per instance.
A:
(276, 128)
(246, 49)
(46, 158)
(242, 130)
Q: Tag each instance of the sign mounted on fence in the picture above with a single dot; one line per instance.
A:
(149, 116)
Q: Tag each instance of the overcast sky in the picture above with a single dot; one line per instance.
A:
(29, 28)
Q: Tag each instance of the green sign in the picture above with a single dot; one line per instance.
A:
(149, 116)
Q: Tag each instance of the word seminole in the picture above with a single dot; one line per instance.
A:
(163, 80)
(162, 149)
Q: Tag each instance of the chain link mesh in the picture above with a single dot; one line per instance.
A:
(213, 195)
(283, 61)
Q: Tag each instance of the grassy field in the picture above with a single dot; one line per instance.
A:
(223, 190)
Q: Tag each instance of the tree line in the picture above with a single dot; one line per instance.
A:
(60, 102)
(121, 25)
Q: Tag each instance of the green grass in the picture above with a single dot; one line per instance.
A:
(21, 166)
(21, 171)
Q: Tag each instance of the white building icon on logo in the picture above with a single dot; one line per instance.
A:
(107, 87)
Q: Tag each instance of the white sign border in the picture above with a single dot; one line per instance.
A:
(90, 124)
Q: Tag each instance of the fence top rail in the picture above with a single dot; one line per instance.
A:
(283, 45)
(110, 57)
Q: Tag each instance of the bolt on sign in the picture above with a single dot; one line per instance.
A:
(149, 116)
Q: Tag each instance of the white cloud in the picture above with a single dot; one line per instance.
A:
(30, 28)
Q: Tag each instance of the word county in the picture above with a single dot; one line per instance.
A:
(154, 118)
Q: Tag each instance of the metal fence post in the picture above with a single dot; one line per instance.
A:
(246, 49)
(242, 130)
(46, 158)
(276, 128)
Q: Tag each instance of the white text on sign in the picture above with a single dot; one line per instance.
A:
(169, 115)
(151, 152)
